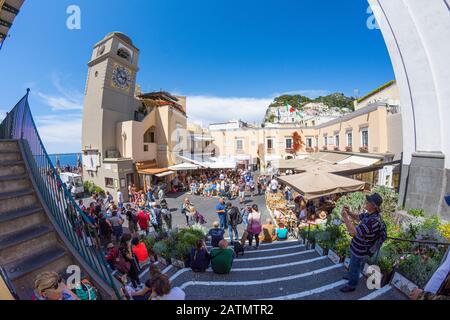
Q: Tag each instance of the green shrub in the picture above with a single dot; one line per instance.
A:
(149, 243)
(418, 269)
(416, 212)
(161, 248)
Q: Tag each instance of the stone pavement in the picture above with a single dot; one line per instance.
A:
(207, 207)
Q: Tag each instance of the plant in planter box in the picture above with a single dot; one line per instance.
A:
(180, 254)
(162, 250)
(418, 269)
(444, 229)
(149, 243)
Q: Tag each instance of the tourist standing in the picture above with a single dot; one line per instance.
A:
(156, 219)
(234, 219)
(220, 210)
(119, 199)
(143, 221)
(254, 226)
(242, 187)
(274, 185)
(126, 255)
(116, 223)
(132, 220)
(166, 214)
(368, 236)
(130, 193)
(184, 209)
(161, 193)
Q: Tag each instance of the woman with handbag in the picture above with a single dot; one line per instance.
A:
(126, 263)
(254, 227)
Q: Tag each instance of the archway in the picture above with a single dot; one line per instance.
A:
(416, 35)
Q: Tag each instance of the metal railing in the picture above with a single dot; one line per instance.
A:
(71, 220)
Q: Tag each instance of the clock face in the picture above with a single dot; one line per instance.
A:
(121, 77)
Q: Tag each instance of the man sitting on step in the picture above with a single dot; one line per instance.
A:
(222, 258)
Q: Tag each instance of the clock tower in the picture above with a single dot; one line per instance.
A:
(109, 99)
(109, 94)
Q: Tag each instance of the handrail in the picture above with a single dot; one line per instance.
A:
(8, 284)
(72, 221)
(421, 241)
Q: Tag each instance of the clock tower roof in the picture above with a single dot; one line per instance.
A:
(121, 36)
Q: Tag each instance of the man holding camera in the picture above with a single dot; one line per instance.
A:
(368, 236)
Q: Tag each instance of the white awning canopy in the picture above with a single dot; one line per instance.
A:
(164, 174)
(365, 161)
(184, 167)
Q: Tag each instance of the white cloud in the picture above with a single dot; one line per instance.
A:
(60, 133)
(210, 109)
(66, 98)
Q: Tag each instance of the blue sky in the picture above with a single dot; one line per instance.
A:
(228, 54)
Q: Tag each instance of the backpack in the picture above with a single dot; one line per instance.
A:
(238, 248)
(381, 238)
(85, 291)
(237, 216)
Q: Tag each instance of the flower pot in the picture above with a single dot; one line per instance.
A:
(320, 250)
(403, 284)
(334, 257)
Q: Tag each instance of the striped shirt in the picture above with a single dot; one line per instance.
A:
(366, 234)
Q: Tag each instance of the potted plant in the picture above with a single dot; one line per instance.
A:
(336, 149)
(364, 149)
(348, 149)
(150, 243)
(180, 255)
(162, 251)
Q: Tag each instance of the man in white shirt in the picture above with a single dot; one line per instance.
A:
(274, 185)
(120, 199)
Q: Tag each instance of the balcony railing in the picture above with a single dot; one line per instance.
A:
(71, 220)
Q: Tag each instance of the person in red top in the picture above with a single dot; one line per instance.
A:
(139, 250)
(143, 221)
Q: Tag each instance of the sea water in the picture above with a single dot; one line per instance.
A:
(68, 159)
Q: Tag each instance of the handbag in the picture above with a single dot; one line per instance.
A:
(121, 264)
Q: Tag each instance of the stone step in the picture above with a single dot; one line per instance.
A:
(8, 168)
(16, 220)
(52, 259)
(14, 183)
(9, 145)
(247, 274)
(10, 155)
(25, 242)
(264, 289)
(20, 199)
(274, 260)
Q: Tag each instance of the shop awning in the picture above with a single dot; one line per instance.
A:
(164, 174)
(318, 183)
(365, 161)
(328, 167)
(153, 171)
(184, 167)
(334, 157)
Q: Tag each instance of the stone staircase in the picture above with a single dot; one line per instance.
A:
(278, 271)
(29, 243)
